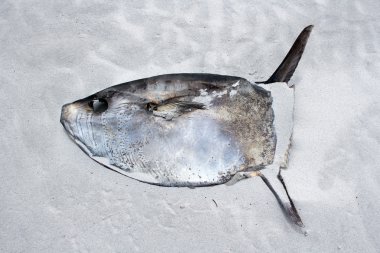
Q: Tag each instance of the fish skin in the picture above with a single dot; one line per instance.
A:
(217, 126)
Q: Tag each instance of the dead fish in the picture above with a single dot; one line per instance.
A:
(191, 129)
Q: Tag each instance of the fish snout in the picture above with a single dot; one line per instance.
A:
(68, 116)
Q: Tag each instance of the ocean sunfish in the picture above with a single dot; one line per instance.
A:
(191, 129)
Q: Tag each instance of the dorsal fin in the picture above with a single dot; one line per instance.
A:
(287, 67)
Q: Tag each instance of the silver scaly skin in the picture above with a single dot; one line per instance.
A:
(177, 130)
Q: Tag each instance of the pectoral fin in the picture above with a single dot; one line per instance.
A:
(176, 109)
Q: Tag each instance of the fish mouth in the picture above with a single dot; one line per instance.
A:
(69, 113)
(66, 114)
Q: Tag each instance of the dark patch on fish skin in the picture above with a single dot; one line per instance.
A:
(196, 77)
(200, 78)
(225, 177)
(151, 106)
(138, 90)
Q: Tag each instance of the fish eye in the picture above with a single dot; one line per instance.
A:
(98, 105)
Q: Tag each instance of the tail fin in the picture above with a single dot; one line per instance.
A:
(287, 67)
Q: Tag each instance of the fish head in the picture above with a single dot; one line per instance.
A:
(84, 119)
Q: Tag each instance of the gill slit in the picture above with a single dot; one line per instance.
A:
(91, 133)
(79, 116)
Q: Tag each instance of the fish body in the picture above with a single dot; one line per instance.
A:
(179, 129)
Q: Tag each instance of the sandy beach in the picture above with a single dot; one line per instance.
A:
(54, 198)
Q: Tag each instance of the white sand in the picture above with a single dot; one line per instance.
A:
(53, 198)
